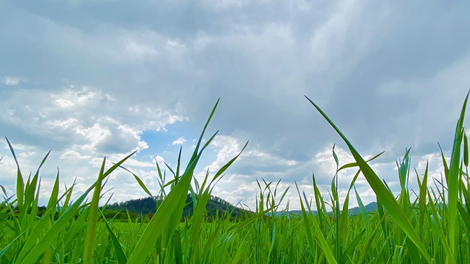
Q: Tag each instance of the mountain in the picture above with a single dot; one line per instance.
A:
(147, 206)
(215, 206)
(369, 208)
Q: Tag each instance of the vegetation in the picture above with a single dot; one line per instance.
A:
(148, 206)
(431, 228)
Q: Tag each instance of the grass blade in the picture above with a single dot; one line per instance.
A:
(19, 178)
(92, 219)
(316, 230)
(453, 181)
(381, 191)
(121, 257)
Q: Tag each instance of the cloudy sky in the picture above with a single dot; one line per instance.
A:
(95, 78)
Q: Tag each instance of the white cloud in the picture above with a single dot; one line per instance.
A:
(73, 154)
(227, 148)
(179, 141)
(11, 81)
(326, 160)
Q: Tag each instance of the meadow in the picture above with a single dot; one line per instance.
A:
(429, 226)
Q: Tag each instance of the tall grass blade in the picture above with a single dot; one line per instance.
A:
(139, 181)
(354, 164)
(170, 211)
(19, 178)
(440, 231)
(178, 162)
(381, 191)
(465, 149)
(316, 231)
(55, 193)
(363, 210)
(465, 216)
(453, 181)
(121, 257)
(178, 247)
(28, 254)
(92, 219)
(423, 187)
(13, 241)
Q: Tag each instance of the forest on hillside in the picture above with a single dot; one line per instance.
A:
(216, 206)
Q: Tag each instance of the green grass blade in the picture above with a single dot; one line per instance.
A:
(55, 193)
(353, 244)
(465, 216)
(228, 164)
(363, 210)
(161, 220)
(169, 212)
(30, 255)
(381, 191)
(178, 247)
(139, 181)
(13, 241)
(453, 181)
(19, 178)
(318, 200)
(198, 217)
(236, 259)
(172, 172)
(344, 222)
(466, 194)
(413, 251)
(441, 232)
(335, 156)
(422, 198)
(93, 219)
(116, 165)
(33, 186)
(465, 149)
(121, 257)
(316, 229)
(178, 162)
(354, 164)
(365, 247)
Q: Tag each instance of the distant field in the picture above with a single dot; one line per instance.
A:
(432, 228)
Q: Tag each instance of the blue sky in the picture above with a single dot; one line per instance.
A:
(89, 79)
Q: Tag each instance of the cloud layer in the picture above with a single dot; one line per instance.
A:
(89, 79)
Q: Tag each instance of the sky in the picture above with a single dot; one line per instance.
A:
(103, 78)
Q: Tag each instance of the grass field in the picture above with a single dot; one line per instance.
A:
(432, 228)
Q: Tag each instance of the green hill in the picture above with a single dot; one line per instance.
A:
(147, 206)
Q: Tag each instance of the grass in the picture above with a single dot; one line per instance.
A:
(431, 228)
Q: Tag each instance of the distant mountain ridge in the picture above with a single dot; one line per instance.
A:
(369, 208)
(215, 205)
(144, 206)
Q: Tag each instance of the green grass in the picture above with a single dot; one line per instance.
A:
(433, 227)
